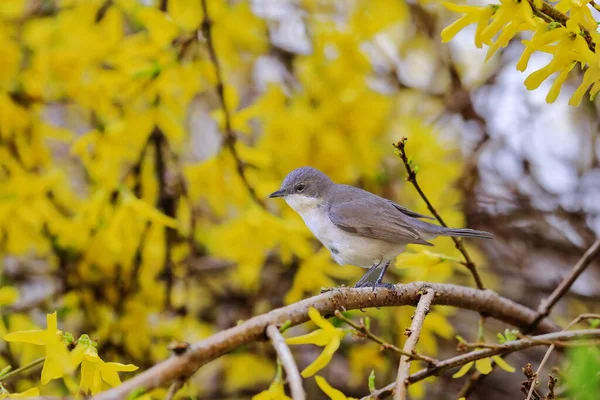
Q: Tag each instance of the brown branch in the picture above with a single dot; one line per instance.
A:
(183, 366)
(545, 306)
(577, 320)
(287, 360)
(507, 348)
(413, 333)
(366, 332)
(412, 178)
(565, 285)
(230, 138)
(166, 202)
(175, 387)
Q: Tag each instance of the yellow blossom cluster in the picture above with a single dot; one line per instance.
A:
(567, 31)
(130, 146)
(59, 361)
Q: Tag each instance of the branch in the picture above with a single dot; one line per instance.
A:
(366, 332)
(285, 356)
(26, 367)
(412, 178)
(409, 346)
(545, 306)
(230, 138)
(507, 348)
(200, 353)
(175, 387)
(565, 285)
(582, 317)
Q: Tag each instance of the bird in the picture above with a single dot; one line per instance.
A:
(358, 227)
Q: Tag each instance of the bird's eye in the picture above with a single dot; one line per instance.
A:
(300, 187)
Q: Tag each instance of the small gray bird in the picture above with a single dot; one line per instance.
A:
(358, 227)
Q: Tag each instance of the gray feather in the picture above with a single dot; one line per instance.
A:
(466, 233)
(362, 213)
(410, 213)
(365, 214)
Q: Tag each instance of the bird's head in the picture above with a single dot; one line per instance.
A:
(304, 186)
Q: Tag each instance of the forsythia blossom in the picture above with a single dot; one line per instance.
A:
(569, 42)
(330, 391)
(93, 369)
(328, 336)
(57, 357)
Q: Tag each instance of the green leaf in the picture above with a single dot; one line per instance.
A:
(5, 370)
(372, 381)
(368, 323)
(460, 339)
(136, 393)
(582, 379)
(594, 323)
(510, 335)
(286, 325)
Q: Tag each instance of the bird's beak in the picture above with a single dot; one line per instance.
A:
(279, 193)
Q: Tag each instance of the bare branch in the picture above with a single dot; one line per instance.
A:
(582, 317)
(287, 360)
(507, 348)
(411, 343)
(565, 285)
(230, 138)
(366, 332)
(412, 178)
(545, 306)
(175, 386)
(182, 366)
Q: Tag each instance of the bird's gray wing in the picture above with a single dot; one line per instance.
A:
(368, 215)
(410, 213)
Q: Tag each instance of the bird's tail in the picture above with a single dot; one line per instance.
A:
(460, 232)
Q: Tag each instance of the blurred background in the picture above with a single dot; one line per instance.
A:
(137, 153)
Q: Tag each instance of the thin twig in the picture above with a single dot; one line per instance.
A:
(413, 333)
(565, 285)
(175, 387)
(230, 138)
(577, 320)
(412, 178)
(366, 332)
(287, 360)
(546, 305)
(24, 368)
(200, 353)
(507, 348)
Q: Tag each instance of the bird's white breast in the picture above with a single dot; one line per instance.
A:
(345, 248)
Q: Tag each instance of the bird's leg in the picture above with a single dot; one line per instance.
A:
(365, 278)
(380, 278)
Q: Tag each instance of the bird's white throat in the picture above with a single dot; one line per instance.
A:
(303, 204)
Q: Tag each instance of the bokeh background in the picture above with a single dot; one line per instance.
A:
(136, 158)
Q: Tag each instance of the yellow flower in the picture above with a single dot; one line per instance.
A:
(57, 357)
(484, 366)
(571, 47)
(94, 370)
(473, 15)
(8, 295)
(328, 336)
(363, 358)
(330, 391)
(274, 392)
(33, 392)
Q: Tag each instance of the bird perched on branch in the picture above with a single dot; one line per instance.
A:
(358, 227)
